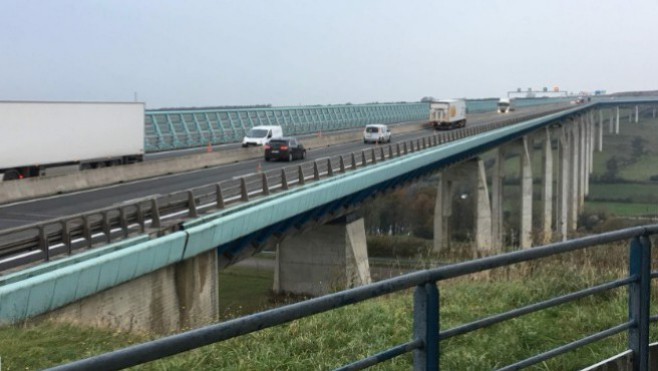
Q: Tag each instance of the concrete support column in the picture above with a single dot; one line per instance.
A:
(497, 178)
(564, 191)
(582, 164)
(197, 292)
(469, 172)
(525, 238)
(547, 190)
(483, 240)
(323, 259)
(612, 122)
(442, 213)
(574, 145)
(617, 122)
(600, 133)
(637, 114)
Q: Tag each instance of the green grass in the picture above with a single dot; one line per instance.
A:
(634, 192)
(244, 290)
(331, 339)
(623, 209)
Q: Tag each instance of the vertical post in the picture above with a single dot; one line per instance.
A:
(497, 177)
(220, 193)
(600, 132)
(547, 189)
(66, 236)
(426, 326)
(155, 215)
(244, 194)
(301, 179)
(638, 301)
(525, 237)
(191, 205)
(341, 164)
(612, 123)
(574, 144)
(43, 243)
(140, 217)
(86, 228)
(106, 226)
(266, 185)
(316, 171)
(637, 114)
(123, 221)
(442, 212)
(563, 199)
(617, 122)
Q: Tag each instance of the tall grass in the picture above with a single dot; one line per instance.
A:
(331, 339)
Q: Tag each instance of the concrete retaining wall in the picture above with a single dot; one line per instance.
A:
(18, 190)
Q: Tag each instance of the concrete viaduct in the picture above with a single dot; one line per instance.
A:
(169, 283)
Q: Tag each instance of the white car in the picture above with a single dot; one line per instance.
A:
(376, 133)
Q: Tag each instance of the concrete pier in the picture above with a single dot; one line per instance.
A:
(547, 189)
(323, 259)
(497, 216)
(563, 218)
(574, 144)
(525, 238)
(172, 299)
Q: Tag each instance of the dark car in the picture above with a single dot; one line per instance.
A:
(284, 149)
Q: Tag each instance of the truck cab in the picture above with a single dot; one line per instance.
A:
(505, 105)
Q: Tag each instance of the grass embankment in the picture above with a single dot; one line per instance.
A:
(328, 340)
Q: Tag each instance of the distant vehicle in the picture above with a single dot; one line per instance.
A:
(261, 135)
(579, 100)
(376, 133)
(448, 114)
(49, 138)
(505, 105)
(284, 149)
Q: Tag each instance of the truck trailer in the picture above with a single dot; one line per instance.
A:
(43, 138)
(448, 113)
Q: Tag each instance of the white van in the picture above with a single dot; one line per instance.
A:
(376, 133)
(261, 135)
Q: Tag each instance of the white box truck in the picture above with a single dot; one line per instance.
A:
(505, 105)
(40, 138)
(448, 113)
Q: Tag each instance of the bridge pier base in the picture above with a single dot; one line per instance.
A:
(324, 259)
(547, 189)
(525, 238)
(171, 299)
(562, 219)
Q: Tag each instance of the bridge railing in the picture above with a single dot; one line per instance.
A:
(427, 333)
(44, 241)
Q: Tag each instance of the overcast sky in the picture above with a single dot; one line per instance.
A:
(196, 53)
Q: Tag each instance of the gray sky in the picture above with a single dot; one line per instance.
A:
(285, 52)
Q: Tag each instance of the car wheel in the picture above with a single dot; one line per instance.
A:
(289, 157)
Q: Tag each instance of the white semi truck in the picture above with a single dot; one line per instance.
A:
(448, 113)
(42, 138)
(505, 105)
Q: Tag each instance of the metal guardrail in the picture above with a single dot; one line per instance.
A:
(425, 343)
(43, 241)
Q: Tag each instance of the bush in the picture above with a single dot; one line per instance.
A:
(398, 246)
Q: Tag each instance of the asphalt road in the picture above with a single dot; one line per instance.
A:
(27, 212)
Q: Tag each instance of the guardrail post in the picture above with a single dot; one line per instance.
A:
(390, 151)
(106, 227)
(638, 301)
(66, 236)
(191, 204)
(418, 144)
(140, 218)
(266, 187)
(220, 196)
(284, 180)
(301, 175)
(316, 171)
(382, 155)
(330, 169)
(363, 158)
(123, 221)
(155, 214)
(397, 149)
(341, 163)
(373, 155)
(243, 190)
(353, 161)
(86, 230)
(424, 143)
(43, 242)
(426, 326)
(405, 148)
